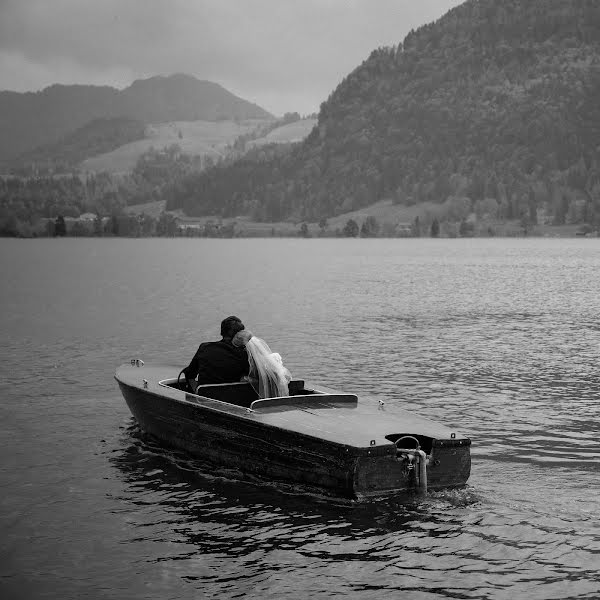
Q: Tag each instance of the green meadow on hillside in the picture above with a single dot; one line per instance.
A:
(289, 133)
(200, 138)
(203, 138)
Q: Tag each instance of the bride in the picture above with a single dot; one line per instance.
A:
(266, 367)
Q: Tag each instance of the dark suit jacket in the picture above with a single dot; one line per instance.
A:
(218, 362)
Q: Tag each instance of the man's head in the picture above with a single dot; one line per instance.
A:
(230, 326)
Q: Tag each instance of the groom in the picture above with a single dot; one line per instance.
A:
(218, 362)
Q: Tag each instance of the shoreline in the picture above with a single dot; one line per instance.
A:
(545, 236)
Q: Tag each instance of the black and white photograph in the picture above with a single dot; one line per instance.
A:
(300, 300)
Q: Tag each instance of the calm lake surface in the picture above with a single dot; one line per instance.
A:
(498, 338)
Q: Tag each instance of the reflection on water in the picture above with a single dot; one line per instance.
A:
(499, 339)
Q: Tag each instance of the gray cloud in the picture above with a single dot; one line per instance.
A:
(282, 54)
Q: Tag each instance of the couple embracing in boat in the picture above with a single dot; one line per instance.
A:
(238, 356)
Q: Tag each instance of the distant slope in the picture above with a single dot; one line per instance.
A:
(498, 99)
(286, 134)
(184, 98)
(29, 120)
(201, 138)
(96, 137)
(152, 209)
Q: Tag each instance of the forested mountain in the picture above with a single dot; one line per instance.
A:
(32, 119)
(498, 102)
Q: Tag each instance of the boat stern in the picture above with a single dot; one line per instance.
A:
(413, 464)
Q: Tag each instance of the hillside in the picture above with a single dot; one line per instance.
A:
(205, 139)
(32, 119)
(133, 175)
(496, 105)
(96, 137)
(198, 138)
(288, 133)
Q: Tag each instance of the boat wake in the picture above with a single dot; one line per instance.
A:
(458, 498)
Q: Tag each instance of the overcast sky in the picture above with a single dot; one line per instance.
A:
(284, 55)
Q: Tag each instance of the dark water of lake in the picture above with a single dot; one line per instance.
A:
(498, 338)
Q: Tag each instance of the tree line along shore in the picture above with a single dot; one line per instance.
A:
(168, 225)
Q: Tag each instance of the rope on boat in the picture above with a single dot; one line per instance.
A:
(417, 462)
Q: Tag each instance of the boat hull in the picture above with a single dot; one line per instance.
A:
(234, 440)
(235, 443)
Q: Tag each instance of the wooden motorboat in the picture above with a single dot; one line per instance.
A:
(332, 442)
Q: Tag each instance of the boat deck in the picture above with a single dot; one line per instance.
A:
(338, 418)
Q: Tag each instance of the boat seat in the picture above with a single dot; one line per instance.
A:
(296, 387)
(239, 393)
(242, 393)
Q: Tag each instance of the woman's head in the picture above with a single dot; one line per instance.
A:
(241, 338)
